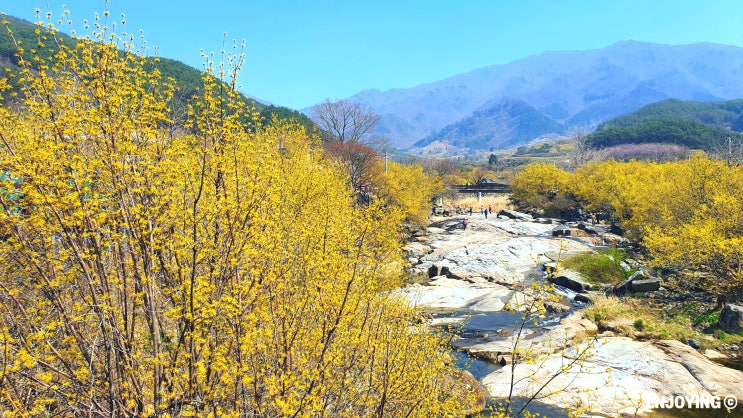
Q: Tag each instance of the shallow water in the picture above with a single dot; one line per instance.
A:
(535, 407)
(478, 368)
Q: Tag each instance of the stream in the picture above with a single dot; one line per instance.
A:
(471, 275)
(470, 325)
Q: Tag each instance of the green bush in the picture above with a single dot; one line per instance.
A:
(639, 324)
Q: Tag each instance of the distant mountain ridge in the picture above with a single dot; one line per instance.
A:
(554, 91)
(504, 124)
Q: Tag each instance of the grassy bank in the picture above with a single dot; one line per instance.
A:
(647, 319)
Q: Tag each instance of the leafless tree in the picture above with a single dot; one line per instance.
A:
(345, 121)
(729, 148)
(580, 153)
(442, 166)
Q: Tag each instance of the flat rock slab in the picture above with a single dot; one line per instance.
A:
(619, 376)
(501, 251)
(443, 292)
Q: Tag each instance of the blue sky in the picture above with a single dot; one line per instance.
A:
(301, 52)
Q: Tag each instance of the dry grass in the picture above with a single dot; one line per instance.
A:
(496, 202)
(639, 319)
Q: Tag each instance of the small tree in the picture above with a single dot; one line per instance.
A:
(493, 159)
(408, 187)
(358, 160)
(538, 185)
(581, 145)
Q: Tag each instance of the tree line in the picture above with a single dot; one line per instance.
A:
(688, 215)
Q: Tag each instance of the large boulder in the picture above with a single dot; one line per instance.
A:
(616, 229)
(570, 279)
(639, 281)
(417, 249)
(512, 214)
(731, 318)
(613, 240)
(646, 285)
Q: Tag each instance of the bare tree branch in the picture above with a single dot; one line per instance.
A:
(345, 121)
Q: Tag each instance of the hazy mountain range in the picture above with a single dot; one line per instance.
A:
(505, 105)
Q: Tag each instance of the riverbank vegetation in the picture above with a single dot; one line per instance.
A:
(225, 268)
(684, 223)
(659, 319)
(603, 267)
(686, 215)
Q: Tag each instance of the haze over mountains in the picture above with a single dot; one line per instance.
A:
(506, 105)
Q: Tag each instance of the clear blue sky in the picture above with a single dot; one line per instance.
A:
(302, 52)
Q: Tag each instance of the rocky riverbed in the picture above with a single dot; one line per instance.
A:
(469, 276)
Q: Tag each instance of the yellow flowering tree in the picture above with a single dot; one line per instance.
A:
(687, 214)
(540, 185)
(408, 188)
(222, 272)
(699, 230)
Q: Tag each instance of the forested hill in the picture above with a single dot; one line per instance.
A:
(677, 131)
(697, 125)
(727, 114)
(188, 79)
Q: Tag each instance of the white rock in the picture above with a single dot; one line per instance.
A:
(619, 376)
(449, 293)
(714, 355)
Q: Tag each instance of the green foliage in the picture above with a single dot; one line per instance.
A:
(601, 267)
(689, 133)
(711, 316)
(23, 31)
(720, 114)
(632, 316)
(639, 324)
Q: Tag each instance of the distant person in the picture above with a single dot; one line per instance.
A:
(470, 210)
(486, 214)
(464, 223)
(490, 209)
